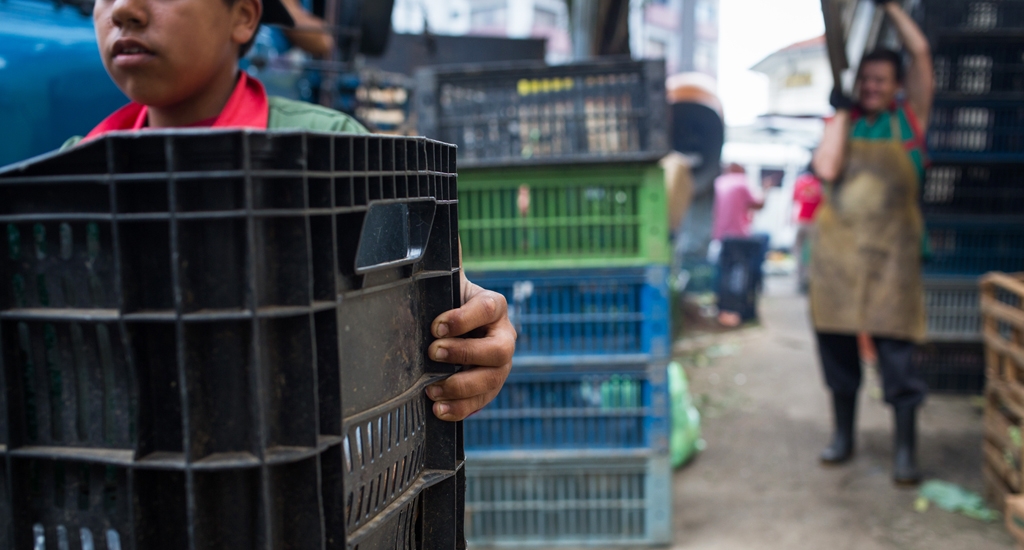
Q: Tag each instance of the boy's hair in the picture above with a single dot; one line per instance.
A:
(886, 56)
(248, 45)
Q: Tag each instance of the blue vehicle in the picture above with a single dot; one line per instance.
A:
(52, 81)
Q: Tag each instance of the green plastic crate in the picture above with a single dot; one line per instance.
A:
(565, 217)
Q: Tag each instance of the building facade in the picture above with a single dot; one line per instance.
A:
(799, 79)
(683, 32)
(548, 19)
(778, 145)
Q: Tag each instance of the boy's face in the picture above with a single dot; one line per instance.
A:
(163, 53)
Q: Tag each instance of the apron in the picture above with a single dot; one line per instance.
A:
(866, 265)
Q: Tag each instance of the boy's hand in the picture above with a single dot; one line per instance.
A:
(487, 350)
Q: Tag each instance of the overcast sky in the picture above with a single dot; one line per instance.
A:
(750, 30)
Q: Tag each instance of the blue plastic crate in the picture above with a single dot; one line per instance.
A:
(586, 316)
(563, 409)
(572, 500)
(974, 247)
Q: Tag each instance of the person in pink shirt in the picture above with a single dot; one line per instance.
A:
(734, 204)
(734, 207)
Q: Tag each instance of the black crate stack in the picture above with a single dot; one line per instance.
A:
(217, 339)
(973, 194)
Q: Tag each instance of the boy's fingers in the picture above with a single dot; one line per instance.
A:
(464, 393)
(483, 309)
(473, 383)
(453, 411)
(494, 350)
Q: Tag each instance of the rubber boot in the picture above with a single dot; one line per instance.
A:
(841, 448)
(904, 470)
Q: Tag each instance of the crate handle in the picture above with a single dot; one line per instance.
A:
(394, 233)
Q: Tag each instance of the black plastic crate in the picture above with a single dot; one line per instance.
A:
(953, 310)
(981, 131)
(973, 16)
(973, 189)
(971, 246)
(505, 114)
(952, 367)
(976, 69)
(217, 339)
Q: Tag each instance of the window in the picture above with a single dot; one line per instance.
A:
(488, 17)
(772, 177)
(655, 49)
(705, 12)
(545, 19)
(798, 80)
(705, 58)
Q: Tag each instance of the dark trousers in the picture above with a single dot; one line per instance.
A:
(840, 359)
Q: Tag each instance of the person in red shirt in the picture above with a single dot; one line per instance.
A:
(806, 197)
(178, 63)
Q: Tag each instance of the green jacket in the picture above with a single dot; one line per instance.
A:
(288, 114)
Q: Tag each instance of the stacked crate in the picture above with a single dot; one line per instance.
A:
(973, 194)
(563, 211)
(215, 339)
(1002, 307)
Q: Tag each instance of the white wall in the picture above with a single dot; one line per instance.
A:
(799, 81)
(790, 94)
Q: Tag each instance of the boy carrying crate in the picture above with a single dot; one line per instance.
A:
(177, 60)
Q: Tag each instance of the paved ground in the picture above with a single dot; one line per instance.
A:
(759, 485)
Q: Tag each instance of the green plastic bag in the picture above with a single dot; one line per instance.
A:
(953, 498)
(684, 441)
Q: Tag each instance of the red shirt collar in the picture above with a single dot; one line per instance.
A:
(246, 108)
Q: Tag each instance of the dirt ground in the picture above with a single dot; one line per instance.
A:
(759, 485)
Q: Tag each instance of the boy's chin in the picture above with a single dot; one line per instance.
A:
(152, 101)
(148, 94)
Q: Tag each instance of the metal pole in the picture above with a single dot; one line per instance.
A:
(584, 19)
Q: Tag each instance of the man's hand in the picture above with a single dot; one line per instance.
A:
(840, 101)
(487, 350)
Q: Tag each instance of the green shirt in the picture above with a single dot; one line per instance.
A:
(288, 114)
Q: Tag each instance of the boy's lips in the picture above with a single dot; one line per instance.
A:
(129, 52)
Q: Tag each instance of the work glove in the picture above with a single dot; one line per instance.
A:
(840, 101)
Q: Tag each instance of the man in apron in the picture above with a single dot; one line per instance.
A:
(865, 273)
